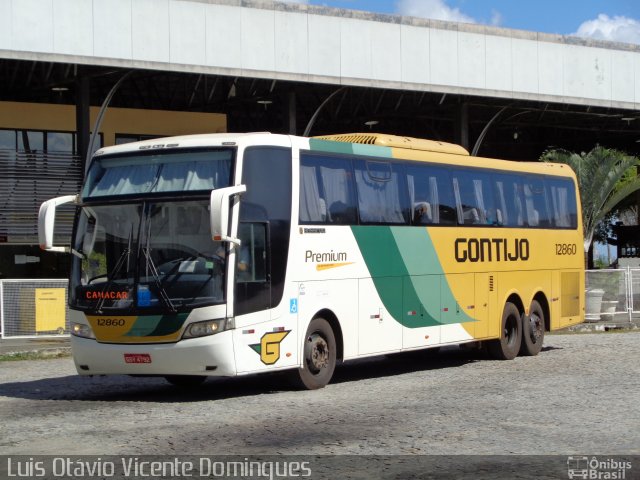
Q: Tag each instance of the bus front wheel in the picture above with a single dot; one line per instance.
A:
(508, 345)
(319, 355)
(533, 330)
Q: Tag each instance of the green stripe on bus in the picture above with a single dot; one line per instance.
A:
(170, 324)
(156, 325)
(350, 148)
(330, 146)
(144, 325)
(407, 274)
(372, 150)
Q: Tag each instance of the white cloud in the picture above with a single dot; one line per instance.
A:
(496, 18)
(436, 9)
(616, 28)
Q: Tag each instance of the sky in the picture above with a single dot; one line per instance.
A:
(615, 20)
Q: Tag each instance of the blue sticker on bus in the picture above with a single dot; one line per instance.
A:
(293, 305)
(144, 296)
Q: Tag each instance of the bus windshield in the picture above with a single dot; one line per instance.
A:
(149, 172)
(146, 256)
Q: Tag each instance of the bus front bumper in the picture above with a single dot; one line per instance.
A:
(211, 355)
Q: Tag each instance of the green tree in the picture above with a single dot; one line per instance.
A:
(606, 177)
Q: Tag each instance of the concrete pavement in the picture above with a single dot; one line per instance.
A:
(52, 346)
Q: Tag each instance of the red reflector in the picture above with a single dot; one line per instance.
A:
(445, 309)
(137, 358)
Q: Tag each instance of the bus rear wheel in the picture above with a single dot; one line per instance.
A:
(533, 328)
(508, 345)
(319, 355)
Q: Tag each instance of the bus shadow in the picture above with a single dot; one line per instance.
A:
(122, 388)
(157, 390)
(405, 363)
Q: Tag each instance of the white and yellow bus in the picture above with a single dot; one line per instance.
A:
(234, 254)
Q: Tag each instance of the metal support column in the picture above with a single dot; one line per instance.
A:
(314, 117)
(628, 276)
(103, 109)
(292, 117)
(480, 139)
(82, 117)
(462, 125)
(2, 329)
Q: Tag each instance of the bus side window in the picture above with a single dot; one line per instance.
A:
(251, 256)
(536, 209)
(380, 194)
(267, 202)
(313, 208)
(563, 202)
(474, 197)
(327, 193)
(430, 195)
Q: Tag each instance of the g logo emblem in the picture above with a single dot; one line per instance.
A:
(269, 346)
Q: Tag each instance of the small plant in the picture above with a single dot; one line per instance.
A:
(600, 263)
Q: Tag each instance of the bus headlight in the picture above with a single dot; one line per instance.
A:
(82, 330)
(202, 329)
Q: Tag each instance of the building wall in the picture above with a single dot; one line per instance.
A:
(39, 116)
(254, 38)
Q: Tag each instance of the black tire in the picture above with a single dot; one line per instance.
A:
(186, 381)
(319, 355)
(533, 328)
(507, 346)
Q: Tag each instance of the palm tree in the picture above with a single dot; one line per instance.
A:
(605, 178)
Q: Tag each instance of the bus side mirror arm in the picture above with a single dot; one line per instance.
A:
(219, 208)
(47, 222)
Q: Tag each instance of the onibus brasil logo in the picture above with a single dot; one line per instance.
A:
(269, 346)
(595, 468)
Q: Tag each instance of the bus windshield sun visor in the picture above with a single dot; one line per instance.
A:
(148, 174)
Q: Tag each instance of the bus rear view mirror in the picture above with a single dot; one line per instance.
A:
(220, 204)
(47, 221)
(89, 240)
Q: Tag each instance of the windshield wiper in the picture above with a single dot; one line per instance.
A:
(116, 269)
(152, 267)
(154, 272)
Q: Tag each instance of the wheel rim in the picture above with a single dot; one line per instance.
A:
(535, 328)
(318, 353)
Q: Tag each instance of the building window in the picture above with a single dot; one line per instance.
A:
(33, 141)
(122, 138)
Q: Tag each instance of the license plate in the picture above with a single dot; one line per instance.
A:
(137, 358)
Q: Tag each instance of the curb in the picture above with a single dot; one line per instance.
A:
(40, 353)
(604, 327)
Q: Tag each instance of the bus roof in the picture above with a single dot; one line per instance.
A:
(197, 140)
(406, 148)
(395, 141)
(417, 149)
